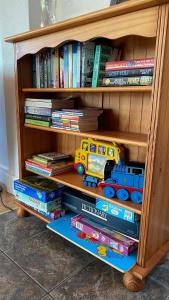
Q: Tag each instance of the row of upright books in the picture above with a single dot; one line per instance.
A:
(89, 64)
(60, 113)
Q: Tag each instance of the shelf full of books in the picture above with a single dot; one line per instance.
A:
(89, 65)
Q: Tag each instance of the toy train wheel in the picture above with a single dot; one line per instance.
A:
(109, 192)
(94, 184)
(80, 169)
(122, 194)
(136, 197)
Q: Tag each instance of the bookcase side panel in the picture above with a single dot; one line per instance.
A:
(155, 221)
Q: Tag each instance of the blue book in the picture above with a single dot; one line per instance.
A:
(66, 66)
(63, 227)
(74, 59)
(36, 191)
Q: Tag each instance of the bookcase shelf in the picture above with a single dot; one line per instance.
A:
(134, 139)
(140, 29)
(121, 89)
(73, 180)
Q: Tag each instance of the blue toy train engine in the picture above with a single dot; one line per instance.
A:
(124, 182)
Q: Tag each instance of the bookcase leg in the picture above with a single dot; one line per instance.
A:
(21, 213)
(132, 283)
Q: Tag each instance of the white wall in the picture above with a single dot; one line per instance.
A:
(14, 18)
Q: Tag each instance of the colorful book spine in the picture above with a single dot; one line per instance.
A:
(49, 67)
(34, 71)
(43, 196)
(57, 67)
(42, 111)
(130, 64)
(37, 204)
(102, 54)
(41, 69)
(108, 237)
(37, 117)
(70, 65)
(37, 122)
(128, 81)
(61, 68)
(87, 61)
(66, 67)
(116, 211)
(130, 73)
(38, 70)
(45, 69)
(75, 64)
(53, 69)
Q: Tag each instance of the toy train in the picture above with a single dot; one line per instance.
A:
(121, 181)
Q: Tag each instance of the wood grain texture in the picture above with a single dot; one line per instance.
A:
(155, 221)
(120, 89)
(24, 210)
(74, 180)
(117, 10)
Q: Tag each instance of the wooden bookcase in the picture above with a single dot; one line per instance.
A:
(134, 116)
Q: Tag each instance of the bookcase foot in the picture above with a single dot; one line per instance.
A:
(132, 283)
(162, 261)
(21, 213)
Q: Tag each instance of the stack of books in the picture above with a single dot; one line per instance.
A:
(39, 111)
(73, 65)
(50, 164)
(76, 120)
(137, 72)
(40, 194)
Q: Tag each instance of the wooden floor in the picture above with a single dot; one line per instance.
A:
(8, 200)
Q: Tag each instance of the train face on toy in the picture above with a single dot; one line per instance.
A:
(124, 182)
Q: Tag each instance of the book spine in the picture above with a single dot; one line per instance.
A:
(41, 68)
(130, 64)
(79, 64)
(36, 165)
(57, 66)
(96, 66)
(66, 67)
(34, 85)
(37, 204)
(70, 72)
(37, 70)
(45, 70)
(49, 67)
(38, 104)
(75, 64)
(53, 69)
(38, 110)
(61, 68)
(37, 122)
(87, 64)
(128, 81)
(38, 117)
(130, 73)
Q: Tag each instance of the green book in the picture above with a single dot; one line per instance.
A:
(37, 122)
(102, 55)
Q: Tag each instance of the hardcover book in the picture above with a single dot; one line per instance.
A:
(37, 122)
(87, 63)
(70, 65)
(66, 67)
(130, 73)
(130, 64)
(42, 111)
(128, 81)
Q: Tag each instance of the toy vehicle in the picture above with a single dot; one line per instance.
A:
(93, 155)
(125, 182)
(90, 181)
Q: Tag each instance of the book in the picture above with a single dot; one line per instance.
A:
(66, 67)
(45, 172)
(130, 73)
(59, 103)
(34, 84)
(37, 204)
(37, 117)
(70, 65)
(37, 122)
(45, 77)
(56, 60)
(53, 69)
(39, 188)
(116, 211)
(130, 64)
(38, 70)
(41, 68)
(53, 156)
(104, 235)
(42, 111)
(76, 62)
(61, 68)
(49, 67)
(128, 81)
(102, 55)
(87, 61)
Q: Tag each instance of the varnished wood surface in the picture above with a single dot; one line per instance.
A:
(73, 180)
(116, 10)
(32, 212)
(134, 139)
(132, 283)
(120, 89)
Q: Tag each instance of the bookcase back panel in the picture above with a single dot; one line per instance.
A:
(142, 23)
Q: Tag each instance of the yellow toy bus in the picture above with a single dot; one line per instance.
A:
(92, 156)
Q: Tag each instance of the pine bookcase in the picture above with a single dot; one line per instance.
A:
(136, 117)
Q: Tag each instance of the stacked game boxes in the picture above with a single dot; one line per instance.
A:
(39, 111)
(40, 194)
(137, 72)
(76, 120)
(50, 164)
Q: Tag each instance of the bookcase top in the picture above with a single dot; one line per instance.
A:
(116, 10)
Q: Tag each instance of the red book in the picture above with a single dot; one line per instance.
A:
(129, 64)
